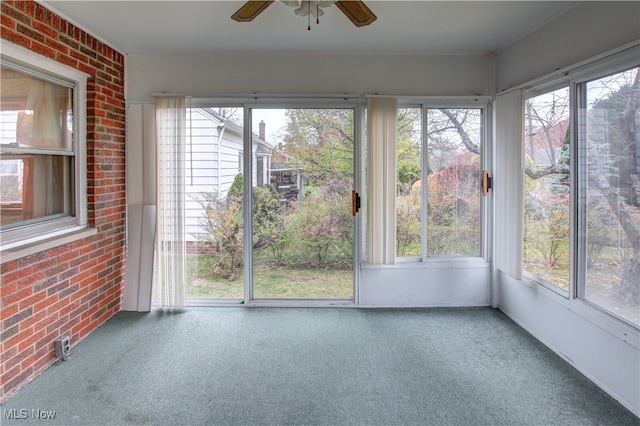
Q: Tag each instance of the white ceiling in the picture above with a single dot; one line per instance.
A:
(403, 27)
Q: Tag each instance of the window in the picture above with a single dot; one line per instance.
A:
(452, 169)
(409, 183)
(546, 187)
(39, 160)
(609, 192)
(300, 178)
(582, 185)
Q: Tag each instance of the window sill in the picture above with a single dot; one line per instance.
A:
(432, 263)
(21, 249)
(599, 318)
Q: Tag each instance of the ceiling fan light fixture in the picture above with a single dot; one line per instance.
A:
(309, 7)
(357, 12)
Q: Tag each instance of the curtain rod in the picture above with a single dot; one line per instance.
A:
(428, 98)
(260, 96)
(311, 97)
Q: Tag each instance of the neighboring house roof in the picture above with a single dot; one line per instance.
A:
(264, 147)
(262, 150)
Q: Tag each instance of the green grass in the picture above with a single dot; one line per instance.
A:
(293, 281)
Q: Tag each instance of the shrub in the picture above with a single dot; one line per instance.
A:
(322, 223)
(223, 225)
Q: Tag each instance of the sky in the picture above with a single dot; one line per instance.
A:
(275, 123)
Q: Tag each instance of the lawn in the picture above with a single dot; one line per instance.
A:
(328, 281)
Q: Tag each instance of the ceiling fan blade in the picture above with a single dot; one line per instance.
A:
(251, 10)
(357, 12)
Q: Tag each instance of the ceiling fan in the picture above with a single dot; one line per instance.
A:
(355, 10)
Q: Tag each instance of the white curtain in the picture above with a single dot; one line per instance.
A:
(171, 119)
(382, 118)
(50, 104)
(508, 183)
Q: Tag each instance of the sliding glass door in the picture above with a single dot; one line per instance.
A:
(300, 166)
(213, 203)
(303, 225)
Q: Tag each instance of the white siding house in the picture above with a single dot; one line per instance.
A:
(214, 157)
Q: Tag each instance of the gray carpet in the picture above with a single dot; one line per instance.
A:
(326, 366)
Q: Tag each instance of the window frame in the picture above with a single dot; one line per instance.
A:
(546, 88)
(29, 233)
(463, 102)
(576, 79)
(619, 64)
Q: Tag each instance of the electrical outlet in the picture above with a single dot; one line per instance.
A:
(63, 347)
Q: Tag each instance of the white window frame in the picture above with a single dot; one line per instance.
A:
(49, 232)
(614, 62)
(618, 64)
(528, 94)
(477, 102)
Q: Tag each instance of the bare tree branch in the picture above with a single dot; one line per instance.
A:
(466, 140)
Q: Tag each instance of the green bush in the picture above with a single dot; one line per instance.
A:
(321, 224)
(223, 225)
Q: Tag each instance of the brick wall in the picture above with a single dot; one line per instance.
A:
(74, 288)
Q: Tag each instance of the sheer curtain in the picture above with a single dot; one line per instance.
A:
(382, 118)
(171, 118)
(509, 183)
(51, 106)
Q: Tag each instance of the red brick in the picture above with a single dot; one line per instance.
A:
(33, 300)
(38, 275)
(27, 31)
(31, 340)
(44, 323)
(85, 283)
(12, 382)
(7, 289)
(9, 311)
(67, 60)
(58, 46)
(45, 29)
(8, 267)
(44, 304)
(39, 12)
(17, 296)
(17, 359)
(44, 360)
(17, 338)
(8, 22)
(18, 274)
(29, 360)
(55, 307)
(15, 14)
(42, 49)
(57, 269)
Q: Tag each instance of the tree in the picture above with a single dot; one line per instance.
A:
(409, 148)
(321, 140)
(223, 223)
(547, 195)
(322, 223)
(223, 229)
(617, 175)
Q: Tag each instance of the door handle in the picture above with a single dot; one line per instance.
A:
(355, 202)
(487, 182)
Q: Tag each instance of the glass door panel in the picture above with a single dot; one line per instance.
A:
(453, 185)
(214, 206)
(303, 228)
